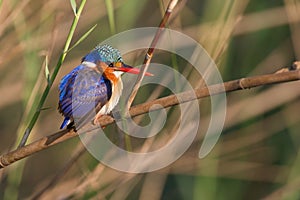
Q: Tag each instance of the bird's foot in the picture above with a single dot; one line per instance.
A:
(96, 120)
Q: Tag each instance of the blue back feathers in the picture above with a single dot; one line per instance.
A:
(84, 88)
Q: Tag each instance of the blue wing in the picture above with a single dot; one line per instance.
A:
(81, 91)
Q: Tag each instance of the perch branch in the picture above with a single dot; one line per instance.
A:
(168, 101)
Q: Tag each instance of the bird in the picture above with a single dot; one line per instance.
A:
(95, 86)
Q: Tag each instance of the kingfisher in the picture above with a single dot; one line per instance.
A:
(95, 86)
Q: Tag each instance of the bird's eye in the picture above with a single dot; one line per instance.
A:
(111, 65)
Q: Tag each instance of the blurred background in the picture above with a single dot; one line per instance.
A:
(257, 155)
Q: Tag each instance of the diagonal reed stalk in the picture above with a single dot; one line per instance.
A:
(53, 76)
(150, 51)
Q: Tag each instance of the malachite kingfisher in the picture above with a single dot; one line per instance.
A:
(93, 86)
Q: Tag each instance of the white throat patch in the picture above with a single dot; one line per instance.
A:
(89, 64)
(118, 73)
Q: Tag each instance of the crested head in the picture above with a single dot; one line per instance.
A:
(107, 59)
(109, 53)
(104, 53)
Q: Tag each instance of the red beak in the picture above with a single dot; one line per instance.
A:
(132, 70)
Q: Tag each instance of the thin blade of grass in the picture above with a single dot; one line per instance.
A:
(47, 72)
(111, 16)
(82, 37)
(74, 7)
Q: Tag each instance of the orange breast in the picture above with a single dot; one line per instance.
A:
(108, 73)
